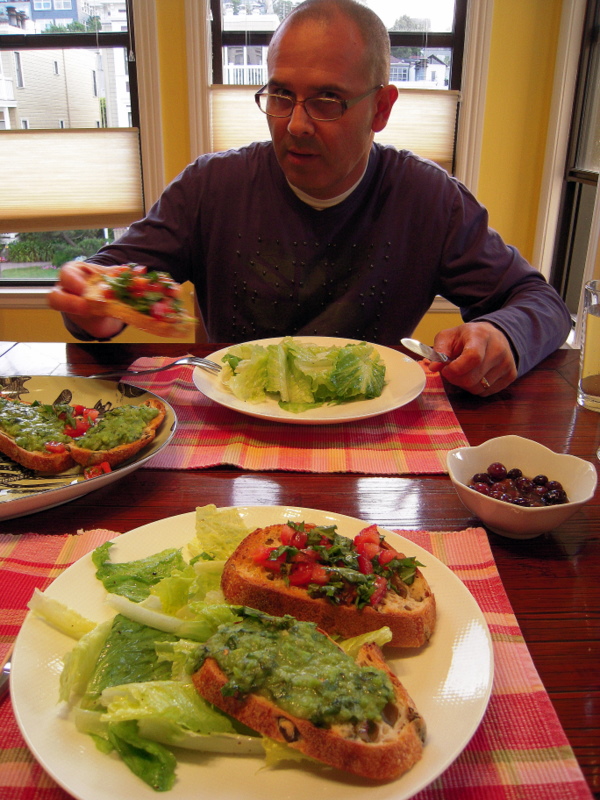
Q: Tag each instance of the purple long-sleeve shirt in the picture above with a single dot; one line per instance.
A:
(266, 264)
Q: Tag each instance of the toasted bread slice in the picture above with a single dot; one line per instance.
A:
(37, 460)
(380, 751)
(117, 455)
(411, 618)
(50, 463)
(102, 304)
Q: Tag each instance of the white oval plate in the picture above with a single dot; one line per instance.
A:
(405, 380)
(23, 492)
(450, 681)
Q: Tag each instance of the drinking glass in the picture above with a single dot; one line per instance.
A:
(588, 389)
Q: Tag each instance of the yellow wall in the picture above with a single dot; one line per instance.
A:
(519, 90)
(518, 97)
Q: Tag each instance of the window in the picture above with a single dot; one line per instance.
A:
(579, 216)
(18, 71)
(427, 40)
(42, 5)
(53, 207)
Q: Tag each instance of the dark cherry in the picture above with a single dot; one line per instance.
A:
(511, 486)
(497, 471)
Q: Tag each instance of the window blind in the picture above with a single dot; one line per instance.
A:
(70, 179)
(422, 120)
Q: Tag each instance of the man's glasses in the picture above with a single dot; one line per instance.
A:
(319, 108)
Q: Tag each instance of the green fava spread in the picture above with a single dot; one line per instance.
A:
(299, 669)
(120, 425)
(31, 426)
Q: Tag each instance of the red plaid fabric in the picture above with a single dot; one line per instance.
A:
(519, 752)
(413, 439)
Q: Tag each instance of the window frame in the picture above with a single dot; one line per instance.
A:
(79, 40)
(454, 40)
(577, 224)
(87, 41)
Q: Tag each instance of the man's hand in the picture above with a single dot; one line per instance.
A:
(66, 297)
(482, 361)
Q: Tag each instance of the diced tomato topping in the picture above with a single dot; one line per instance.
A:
(308, 556)
(91, 413)
(368, 549)
(365, 565)
(96, 470)
(81, 426)
(137, 269)
(161, 309)
(286, 534)
(55, 447)
(293, 538)
(78, 410)
(261, 556)
(303, 574)
(319, 575)
(370, 534)
(385, 556)
(380, 590)
(138, 285)
(155, 286)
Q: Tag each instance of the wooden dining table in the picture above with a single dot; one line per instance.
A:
(552, 581)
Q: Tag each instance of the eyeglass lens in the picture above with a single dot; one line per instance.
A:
(316, 107)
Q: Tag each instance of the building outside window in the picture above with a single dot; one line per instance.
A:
(74, 75)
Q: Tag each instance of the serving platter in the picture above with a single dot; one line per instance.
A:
(405, 380)
(450, 681)
(23, 491)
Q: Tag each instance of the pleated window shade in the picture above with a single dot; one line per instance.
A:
(70, 179)
(422, 120)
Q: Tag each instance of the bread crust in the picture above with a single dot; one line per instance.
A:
(102, 307)
(36, 460)
(411, 619)
(387, 752)
(117, 455)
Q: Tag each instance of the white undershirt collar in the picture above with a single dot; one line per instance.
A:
(319, 204)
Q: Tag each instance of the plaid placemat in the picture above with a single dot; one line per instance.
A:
(519, 751)
(411, 440)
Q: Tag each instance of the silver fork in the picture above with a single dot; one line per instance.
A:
(192, 361)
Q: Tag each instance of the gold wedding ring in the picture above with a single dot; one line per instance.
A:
(485, 383)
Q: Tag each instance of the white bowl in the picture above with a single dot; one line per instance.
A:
(578, 477)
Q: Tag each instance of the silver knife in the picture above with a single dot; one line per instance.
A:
(424, 350)
(4, 676)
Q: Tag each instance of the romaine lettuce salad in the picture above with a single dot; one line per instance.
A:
(303, 375)
(127, 681)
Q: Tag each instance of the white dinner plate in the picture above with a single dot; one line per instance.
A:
(24, 492)
(449, 679)
(405, 380)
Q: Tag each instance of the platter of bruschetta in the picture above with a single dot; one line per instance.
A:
(62, 437)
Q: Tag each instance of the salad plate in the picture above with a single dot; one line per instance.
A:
(405, 380)
(449, 679)
(24, 492)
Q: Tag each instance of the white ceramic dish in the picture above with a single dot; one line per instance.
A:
(405, 380)
(578, 477)
(23, 492)
(450, 681)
